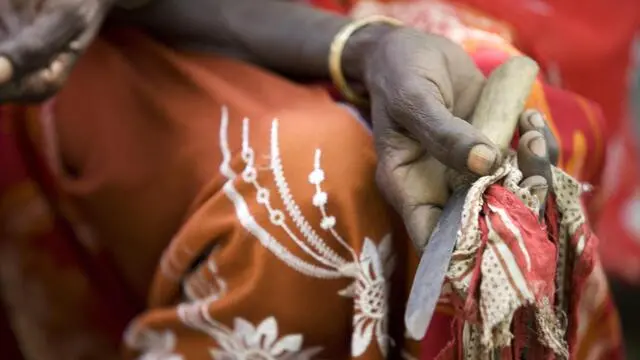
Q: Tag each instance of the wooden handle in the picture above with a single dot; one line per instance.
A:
(503, 99)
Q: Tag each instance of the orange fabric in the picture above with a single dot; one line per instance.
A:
(212, 266)
(576, 123)
(272, 241)
(48, 280)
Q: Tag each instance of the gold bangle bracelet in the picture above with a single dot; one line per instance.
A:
(337, 48)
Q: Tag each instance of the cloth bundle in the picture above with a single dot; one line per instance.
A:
(516, 279)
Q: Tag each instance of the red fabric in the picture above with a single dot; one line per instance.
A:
(591, 45)
(8, 343)
(586, 50)
(583, 282)
(589, 42)
(576, 55)
(619, 223)
(592, 319)
(437, 337)
(109, 304)
(538, 244)
(538, 268)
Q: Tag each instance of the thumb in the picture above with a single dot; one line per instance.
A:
(450, 139)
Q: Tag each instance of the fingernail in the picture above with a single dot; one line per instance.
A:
(536, 120)
(56, 67)
(481, 159)
(6, 70)
(538, 146)
(46, 75)
(75, 46)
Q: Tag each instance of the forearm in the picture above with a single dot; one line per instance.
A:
(287, 37)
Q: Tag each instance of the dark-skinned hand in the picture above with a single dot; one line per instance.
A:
(421, 88)
(40, 40)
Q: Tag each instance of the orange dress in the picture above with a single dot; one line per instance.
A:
(233, 215)
(168, 205)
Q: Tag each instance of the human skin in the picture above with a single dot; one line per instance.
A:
(421, 87)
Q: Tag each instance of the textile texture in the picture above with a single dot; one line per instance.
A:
(205, 208)
(504, 247)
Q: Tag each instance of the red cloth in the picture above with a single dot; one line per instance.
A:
(583, 48)
(511, 286)
(590, 46)
(577, 124)
(588, 43)
(534, 255)
(619, 223)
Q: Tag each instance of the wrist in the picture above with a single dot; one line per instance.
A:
(359, 47)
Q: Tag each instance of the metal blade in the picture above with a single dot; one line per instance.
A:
(434, 263)
(496, 116)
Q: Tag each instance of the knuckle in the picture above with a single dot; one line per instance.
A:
(54, 85)
(73, 16)
(528, 137)
(382, 176)
(41, 89)
(32, 46)
(385, 184)
(404, 101)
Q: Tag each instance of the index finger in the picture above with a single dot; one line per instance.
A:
(496, 114)
(453, 141)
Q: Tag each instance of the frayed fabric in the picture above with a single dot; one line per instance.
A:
(515, 278)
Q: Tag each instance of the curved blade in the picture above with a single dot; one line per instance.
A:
(496, 116)
(434, 263)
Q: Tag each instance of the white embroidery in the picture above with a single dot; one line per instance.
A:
(407, 356)
(154, 345)
(370, 270)
(247, 220)
(200, 287)
(245, 341)
(371, 296)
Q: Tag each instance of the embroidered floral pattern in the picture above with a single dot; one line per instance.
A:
(369, 270)
(154, 345)
(261, 342)
(245, 341)
(370, 291)
(205, 284)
